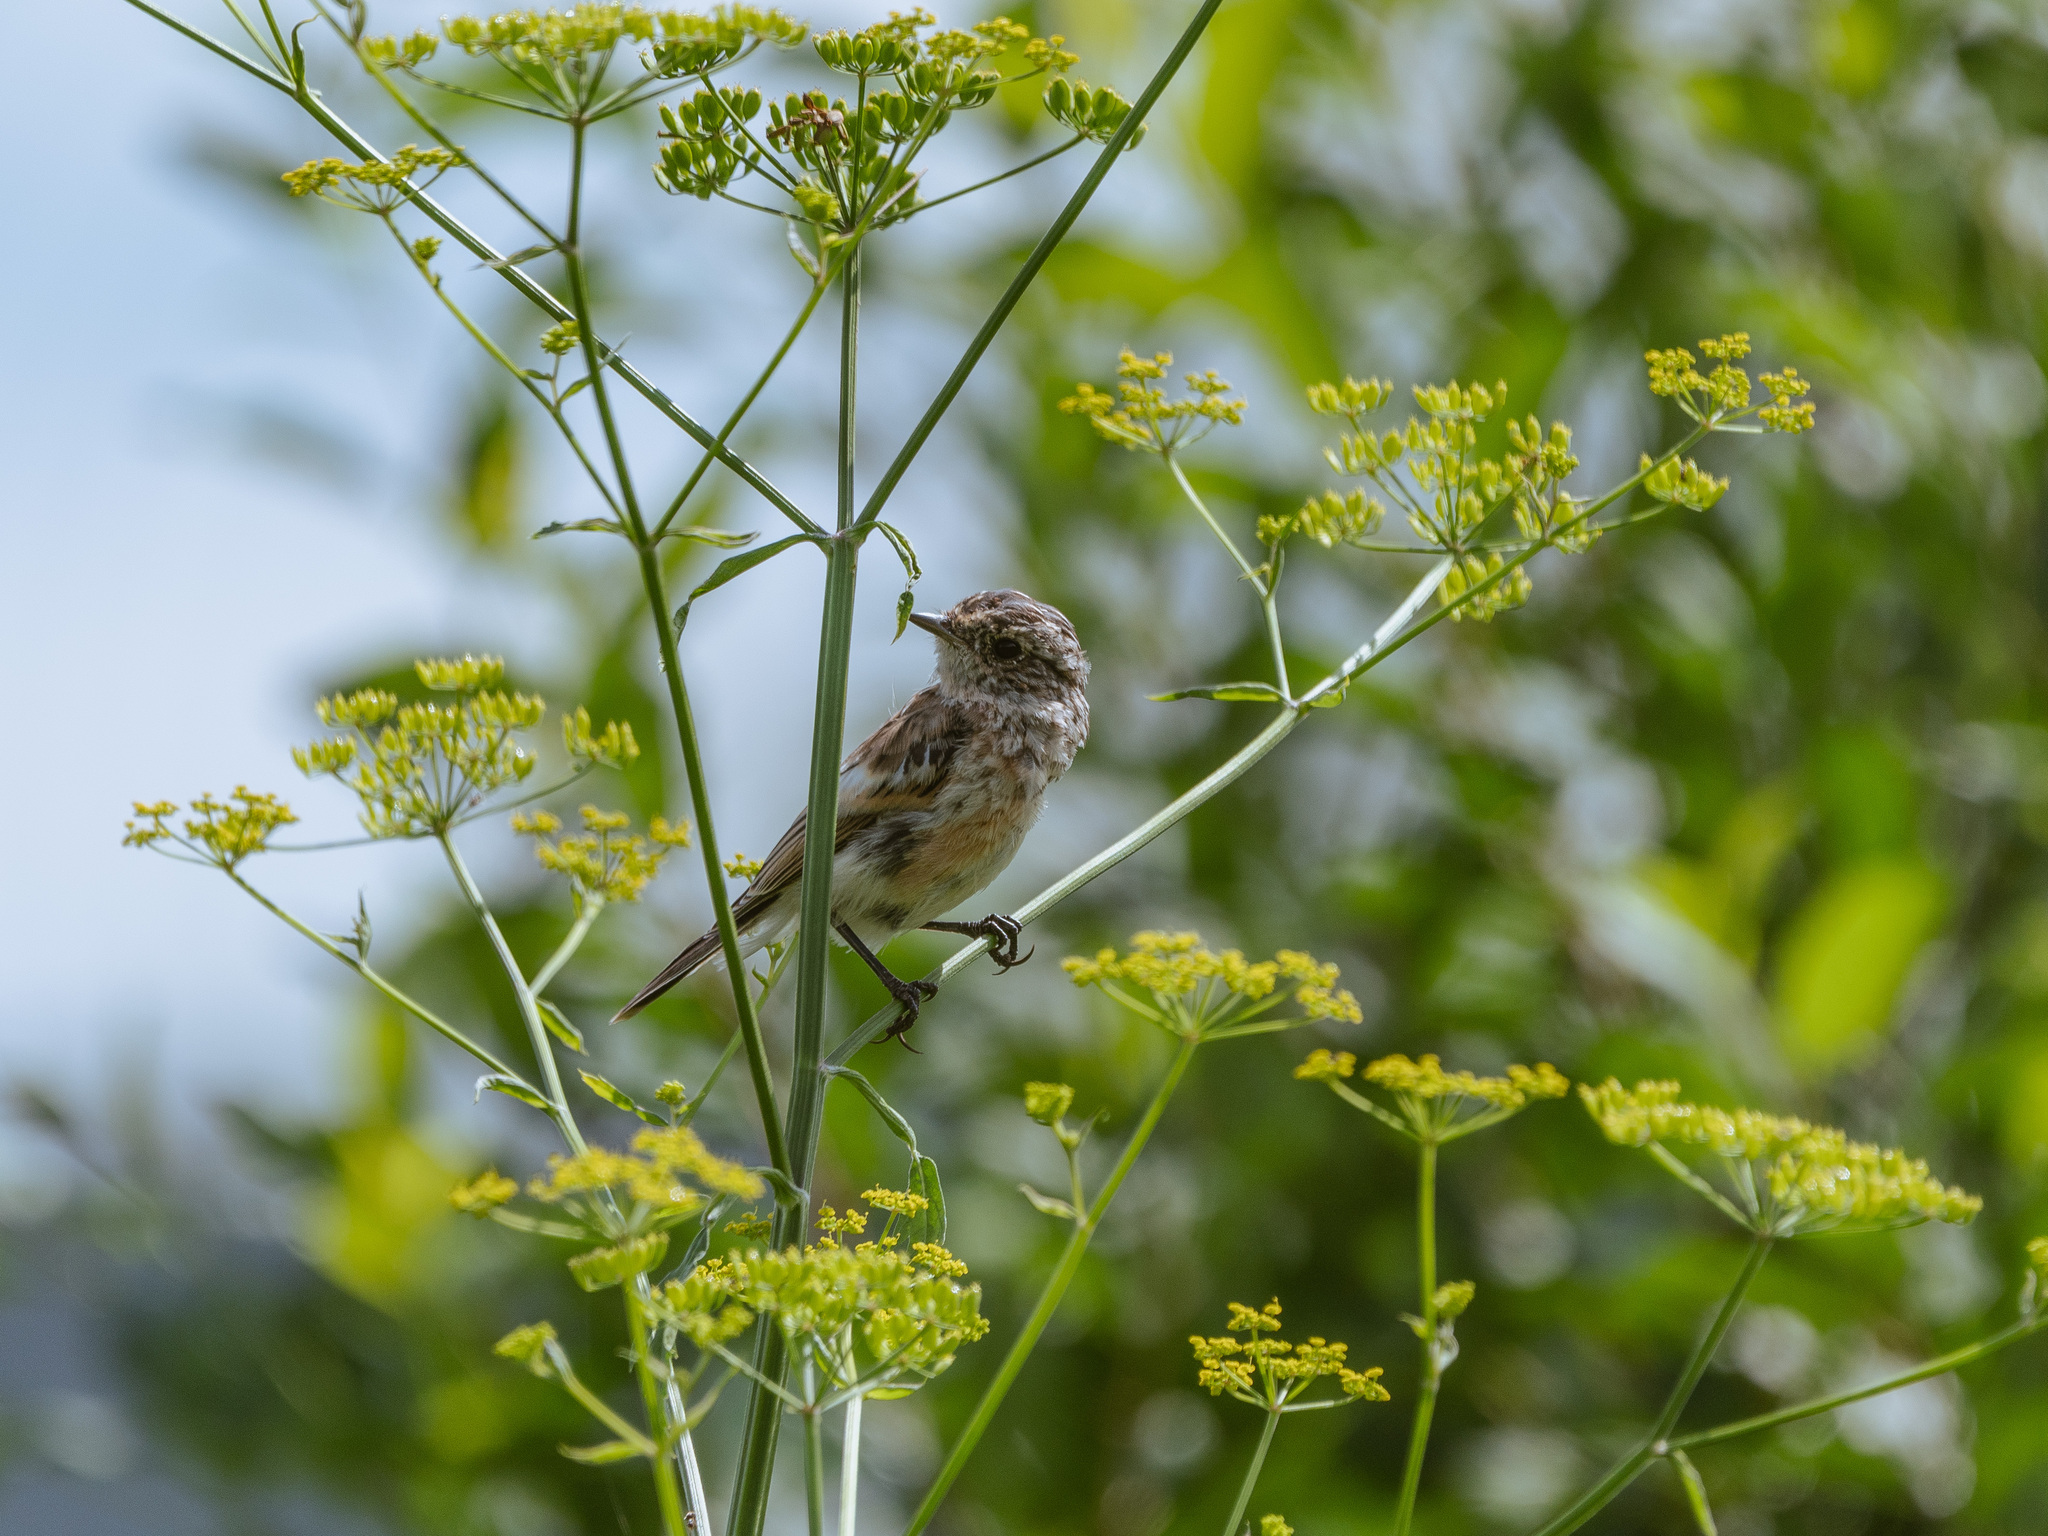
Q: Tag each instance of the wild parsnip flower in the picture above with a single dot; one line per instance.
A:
(218, 832)
(1273, 1525)
(528, 1345)
(1140, 416)
(484, 1193)
(371, 186)
(1271, 1373)
(1784, 1177)
(605, 862)
(654, 1172)
(1430, 1104)
(1722, 395)
(1047, 1103)
(600, 1268)
(1200, 993)
(868, 1319)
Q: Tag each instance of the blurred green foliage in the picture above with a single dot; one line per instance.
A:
(1754, 798)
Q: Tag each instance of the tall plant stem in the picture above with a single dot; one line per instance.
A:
(652, 584)
(529, 1009)
(1056, 1284)
(667, 1493)
(1432, 1370)
(814, 1472)
(1630, 1467)
(849, 1468)
(814, 921)
(1264, 586)
(1251, 1474)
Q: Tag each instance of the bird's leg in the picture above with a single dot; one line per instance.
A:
(1005, 931)
(909, 995)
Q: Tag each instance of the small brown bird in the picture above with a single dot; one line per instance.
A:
(933, 806)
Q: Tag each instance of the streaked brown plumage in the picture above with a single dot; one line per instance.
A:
(934, 804)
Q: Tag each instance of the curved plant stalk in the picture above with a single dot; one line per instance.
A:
(849, 1467)
(1251, 1474)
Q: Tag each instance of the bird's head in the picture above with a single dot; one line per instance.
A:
(998, 644)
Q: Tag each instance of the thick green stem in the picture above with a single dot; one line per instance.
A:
(1940, 1365)
(814, 921)
(529, 1008)
(652, 584)
(1432, 1371)
(1049, 1298)
(814, 1473)
(1251, 1475)
(1630, 1467)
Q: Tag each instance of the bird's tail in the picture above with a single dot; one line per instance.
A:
(699, 951)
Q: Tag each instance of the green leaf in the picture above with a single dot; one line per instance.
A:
(929, 1224)
(559, 1026)
(904, 603)
(880, 1105)
(739, 565)
(1049, 1204)
(517, 257)
(570, 393)
(721, 537)
(904, 552)
(618, 1098)
(1228, 693)
(799, 250)
(512, 1088)
(582, 525)
(601, 1455)
(786, 1192)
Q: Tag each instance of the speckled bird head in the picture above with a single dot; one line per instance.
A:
(1000, 645)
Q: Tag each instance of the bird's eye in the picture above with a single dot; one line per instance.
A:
(1006, 649)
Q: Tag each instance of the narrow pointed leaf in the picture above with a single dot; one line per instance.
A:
(1228, 693)
(512, 1088)
(601, 1455)
(559, 1026)
(618, 1098)
(1049, 1204)
(739, 565)
(721, 537)
(880, 1105)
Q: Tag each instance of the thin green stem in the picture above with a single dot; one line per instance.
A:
(1236, 1522)
(1016, 170)
(814, 921)
(1049, 1298)
(411, 1005)
(1940, 1365)
(1432, 1371)
(571, 941)
(529, 1007)
(1630, 1467)
(739, 411)
(1040, 254)
(849, 1467)
(667, 1492)
(1269, 606)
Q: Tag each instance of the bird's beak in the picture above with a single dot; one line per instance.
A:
(935, 623)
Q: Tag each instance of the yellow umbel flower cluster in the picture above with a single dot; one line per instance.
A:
(218, 832)
(1141, 416)
(653, 1172)
(1723, 394)
(371, 186)
(1786, 1177)
(1434, 1105)
(1269, 1372)
(1194, 988)
(602, 862)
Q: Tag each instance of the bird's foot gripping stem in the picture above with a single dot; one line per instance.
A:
(1001, 930)
(910, 995)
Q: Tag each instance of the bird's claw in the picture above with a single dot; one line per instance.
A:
(910, 997)
(1005, 931)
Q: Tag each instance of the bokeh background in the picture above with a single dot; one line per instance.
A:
(1755, 799)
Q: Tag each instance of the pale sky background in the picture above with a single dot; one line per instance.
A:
(174, 593)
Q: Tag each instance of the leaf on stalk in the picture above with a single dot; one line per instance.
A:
(618, 1098)
(1227, 693)
(739, 565)
(517, 257)
(601, 1455)
(1049, 1204)
(512, 1088)
(582, 525)
(721, 537)
(786, 1192)
(559, 1026)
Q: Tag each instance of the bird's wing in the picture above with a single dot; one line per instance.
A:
(901, 767)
